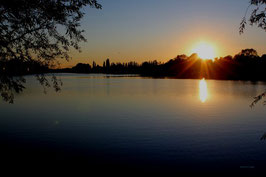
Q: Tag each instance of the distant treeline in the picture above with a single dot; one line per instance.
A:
(246, 65)
(17, 67)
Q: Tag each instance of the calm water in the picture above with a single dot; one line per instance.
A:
(136, 123)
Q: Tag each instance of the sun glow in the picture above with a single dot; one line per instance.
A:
(204, 50)
(203, 90)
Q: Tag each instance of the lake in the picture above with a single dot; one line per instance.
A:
(129, 123)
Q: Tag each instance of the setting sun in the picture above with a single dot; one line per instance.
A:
(204, 50)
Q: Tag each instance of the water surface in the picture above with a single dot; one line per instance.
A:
(101, 121)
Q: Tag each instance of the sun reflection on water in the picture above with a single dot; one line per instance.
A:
(203, 90)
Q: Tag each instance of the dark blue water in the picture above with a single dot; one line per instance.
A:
(131, 124)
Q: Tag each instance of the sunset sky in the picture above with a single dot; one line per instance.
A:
(141, 30)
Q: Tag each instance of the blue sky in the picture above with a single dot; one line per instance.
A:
(126, 30)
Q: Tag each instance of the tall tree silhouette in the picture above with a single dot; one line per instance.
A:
(41, 31)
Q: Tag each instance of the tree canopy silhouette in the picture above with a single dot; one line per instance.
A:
(257, 16)
(249, 53)
(245, 65)
(39, 31)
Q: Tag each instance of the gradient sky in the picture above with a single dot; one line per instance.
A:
(141, 30)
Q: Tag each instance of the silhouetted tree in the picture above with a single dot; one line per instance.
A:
(249, 53)
(107, 63)
(82, 68)
(93, 65)
(228, 57)
(257, 16)
(194, 56)
(263, 57)
(40, 31)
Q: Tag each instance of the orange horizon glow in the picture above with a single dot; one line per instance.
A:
(204, 47)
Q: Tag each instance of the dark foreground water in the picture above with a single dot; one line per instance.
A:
(108, 124)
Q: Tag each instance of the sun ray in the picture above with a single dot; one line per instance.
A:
(189, 65)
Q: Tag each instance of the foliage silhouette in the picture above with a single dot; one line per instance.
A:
(38, 31)
(257, 16)
(257, 99)
(9, 85)
(263, 137)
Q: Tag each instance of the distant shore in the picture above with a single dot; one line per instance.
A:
(246, 65)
